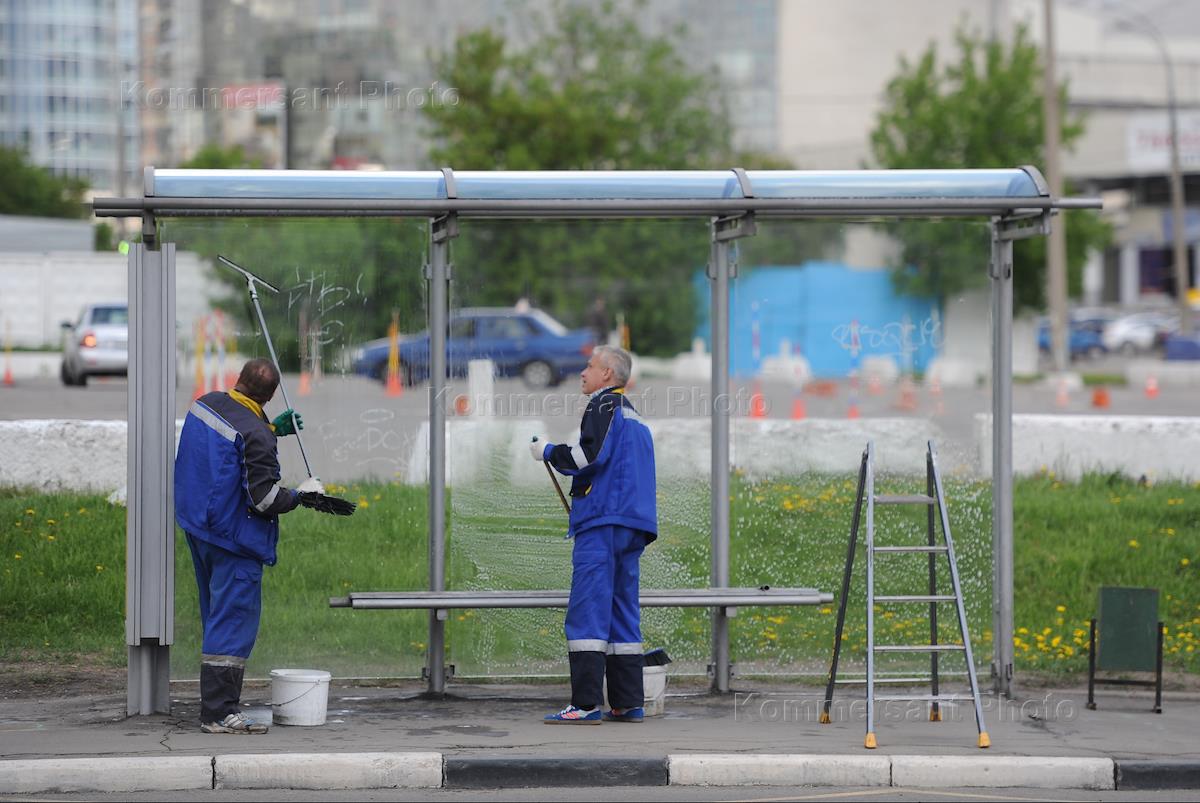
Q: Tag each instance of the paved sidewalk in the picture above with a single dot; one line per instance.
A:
(495, 731)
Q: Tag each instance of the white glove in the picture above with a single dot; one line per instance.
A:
(537, 449)
(312, 484)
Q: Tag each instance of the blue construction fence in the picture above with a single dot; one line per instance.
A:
(829, 313)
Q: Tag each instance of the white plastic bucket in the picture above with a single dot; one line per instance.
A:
(299, 696)
(654, 679)
(654, 690)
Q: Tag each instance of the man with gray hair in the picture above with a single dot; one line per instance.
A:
(613, 517)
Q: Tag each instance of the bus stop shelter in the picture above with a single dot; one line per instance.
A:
(1015, 202)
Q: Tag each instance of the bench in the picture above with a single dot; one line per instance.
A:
(726, 599)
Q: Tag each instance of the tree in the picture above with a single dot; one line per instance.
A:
(27, 189)
(985, 110)
(214, 157)
(592, 91)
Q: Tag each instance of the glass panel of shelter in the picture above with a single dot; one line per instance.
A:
(830, 349)
(342, 284)
(570, 285)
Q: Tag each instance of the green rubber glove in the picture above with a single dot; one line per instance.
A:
(284, 425)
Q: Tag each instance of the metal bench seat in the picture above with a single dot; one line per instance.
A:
(727, 598)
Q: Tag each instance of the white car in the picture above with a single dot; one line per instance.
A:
(1139, 332)
(97, 344)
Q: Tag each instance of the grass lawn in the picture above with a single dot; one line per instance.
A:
(62, 575)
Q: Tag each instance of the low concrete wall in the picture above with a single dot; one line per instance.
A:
(1157, 447)
(54, 455)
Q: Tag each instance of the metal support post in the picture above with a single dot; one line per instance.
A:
(150, 503)
(1000, 272)
(724, 232)
(442, 230)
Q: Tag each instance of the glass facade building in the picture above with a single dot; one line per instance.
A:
(64, 68)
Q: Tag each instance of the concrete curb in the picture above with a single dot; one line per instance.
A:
(328, 771)
(110, 774)
(475, 772)
(1161, 774)
(433, 770)
(1033, 772)
(779, 770)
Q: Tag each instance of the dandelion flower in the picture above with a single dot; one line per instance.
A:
(1061, 608)
(1133, 543)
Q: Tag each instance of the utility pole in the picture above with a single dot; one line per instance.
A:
(1056, 246)
(1135, 20)
(1178, 234)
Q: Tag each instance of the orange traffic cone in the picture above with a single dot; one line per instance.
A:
(853, 411)
(908, 395)
(1151, 387)
(1100, 398)
(1061, 396)
(799, 412)
(8, 377)
(935, 390)
(758, 406)
(305, 384)
(394, 386)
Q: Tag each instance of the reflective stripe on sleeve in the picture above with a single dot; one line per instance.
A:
(267, 500)
(214, 421)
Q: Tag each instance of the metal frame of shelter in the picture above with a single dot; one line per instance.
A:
(1016, 201)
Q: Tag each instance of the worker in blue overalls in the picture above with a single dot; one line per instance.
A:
(228, 498)
(613, 518)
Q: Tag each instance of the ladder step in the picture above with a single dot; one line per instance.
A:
(918, 648)
(904, 499)
(911, 549)
(889, 680)
(917, 598)
(941, 698)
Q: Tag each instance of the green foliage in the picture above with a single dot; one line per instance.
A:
(593, 92)
(344, 276)
(214, 157)
(62, 578)
(26, 189)
(985, 110)
(102, 238)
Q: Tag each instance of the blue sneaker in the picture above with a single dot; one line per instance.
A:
(573, 716)
(625, 715)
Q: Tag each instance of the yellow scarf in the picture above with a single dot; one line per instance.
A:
(250, 404)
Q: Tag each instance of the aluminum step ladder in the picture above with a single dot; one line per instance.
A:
(935, 501)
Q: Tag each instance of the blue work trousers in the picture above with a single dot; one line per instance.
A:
(230, 602)
(603, 623)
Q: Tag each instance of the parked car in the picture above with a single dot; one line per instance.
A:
(1139, 332)
(97, 344)
(529, 344)
(1085, 335)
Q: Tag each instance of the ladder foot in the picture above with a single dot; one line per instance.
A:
(869, 742)
(935, 715)
(825, 718)
(984, 741)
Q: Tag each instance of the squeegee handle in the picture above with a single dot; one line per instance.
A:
(262, 323)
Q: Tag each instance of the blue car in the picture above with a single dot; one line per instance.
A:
(529, 344)
(1085, 337)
